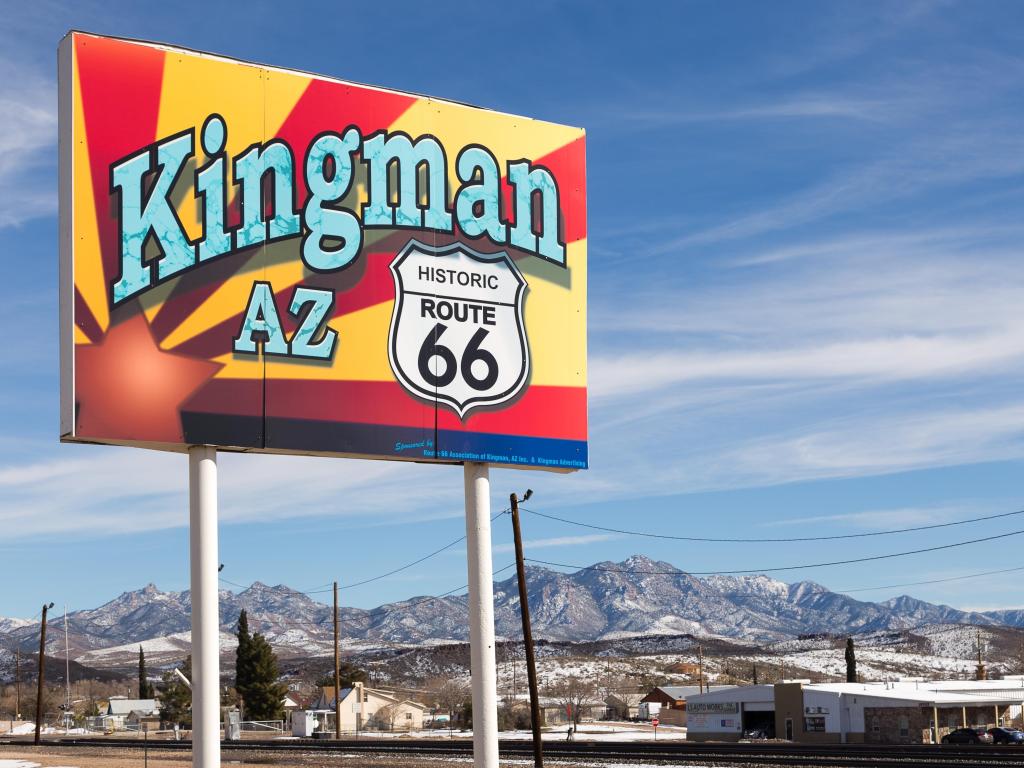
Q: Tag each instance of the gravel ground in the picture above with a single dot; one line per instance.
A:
(133, 758)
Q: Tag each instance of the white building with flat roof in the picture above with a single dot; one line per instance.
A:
(901, 712)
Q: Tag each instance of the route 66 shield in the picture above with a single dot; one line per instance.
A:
(457, 333)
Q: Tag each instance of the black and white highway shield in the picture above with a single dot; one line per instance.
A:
(457, 331)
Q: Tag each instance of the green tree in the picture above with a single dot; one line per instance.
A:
(256, 675)
(145, 687)
(348, 673)
(262, 694)
(176, 697)
(243, 656)
(851, 662)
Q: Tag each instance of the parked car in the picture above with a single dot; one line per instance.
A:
(1006, 736)
(967, 736)
(755, 733)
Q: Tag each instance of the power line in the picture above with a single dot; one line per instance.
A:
(934, 581)
(678, 572)
(317, 588)
(318, 591)
(787, 539)
(405, 567)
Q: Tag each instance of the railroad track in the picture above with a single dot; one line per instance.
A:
(853, 755)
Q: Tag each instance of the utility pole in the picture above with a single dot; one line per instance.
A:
(67, 671)
(42, 658)
(17, 683)
(524, 608)
(337, 671)
(700, 668)
(981, 673)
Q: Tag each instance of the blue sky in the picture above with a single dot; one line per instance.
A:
(805, 319)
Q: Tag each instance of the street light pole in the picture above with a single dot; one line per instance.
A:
(524, 609)
(42, 673)
(337, 671)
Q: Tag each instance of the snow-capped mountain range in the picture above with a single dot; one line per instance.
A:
(583, 606)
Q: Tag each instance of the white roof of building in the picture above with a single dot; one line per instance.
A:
(933, 691)
(683, 692)
(127, 706)
(930, 692)
(737, 693)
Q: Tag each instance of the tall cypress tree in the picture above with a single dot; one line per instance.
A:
(256, 675)
(243, 658)
(145, 687)
(263, 694)
(851, 662)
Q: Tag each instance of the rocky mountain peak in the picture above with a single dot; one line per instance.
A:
(611, 600)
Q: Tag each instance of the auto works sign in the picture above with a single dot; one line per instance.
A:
(259, 259)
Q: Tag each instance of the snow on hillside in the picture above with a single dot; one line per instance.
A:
(639, 601)
(872, 663)
(10, 624)
(158, 650)
(953, 639)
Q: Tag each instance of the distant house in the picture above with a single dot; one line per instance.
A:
(554, 711)
(365, 708)
(296, 701)
(120, 709)
(141, 720)
(622, 706)
(668, 702)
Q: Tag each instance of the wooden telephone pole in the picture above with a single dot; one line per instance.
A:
(524, 608)
(337, 670)
(17, 683)
(42, 663)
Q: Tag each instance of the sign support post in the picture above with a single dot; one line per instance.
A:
(483, 667)
(202, 487)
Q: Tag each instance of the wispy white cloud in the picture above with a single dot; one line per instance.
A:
(889, 443)
(958, 155)
(880, 519)
(558, 541)
(104, 491)
(873, 360)
(864, 309)
(844, 32)
(809, 106)
(28, 142)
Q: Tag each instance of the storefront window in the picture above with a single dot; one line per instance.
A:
(814, 724)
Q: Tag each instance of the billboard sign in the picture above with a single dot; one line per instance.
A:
(266, 260)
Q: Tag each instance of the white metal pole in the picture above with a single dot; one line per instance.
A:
(481, 616)
(67, 672)
(202, 476)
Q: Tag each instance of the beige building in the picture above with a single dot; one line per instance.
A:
(123, 713)
(365, 709)
(622, 706)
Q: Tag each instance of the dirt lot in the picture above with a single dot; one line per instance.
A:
(132, 758)
(91, 757)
